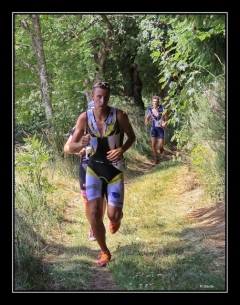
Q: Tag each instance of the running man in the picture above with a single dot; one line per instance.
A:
(106, 127)
(159, 123)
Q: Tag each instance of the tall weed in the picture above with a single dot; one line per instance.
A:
(208, 137)
(34, 217)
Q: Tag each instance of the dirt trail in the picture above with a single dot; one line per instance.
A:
(103, 280)
(210, 221)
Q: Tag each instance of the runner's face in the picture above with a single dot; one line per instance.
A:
(100, 97)
(155, 102)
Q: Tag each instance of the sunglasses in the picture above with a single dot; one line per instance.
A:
(102, 84)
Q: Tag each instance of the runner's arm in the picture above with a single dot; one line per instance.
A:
(126, 127)
(147, 118)
(78, 140)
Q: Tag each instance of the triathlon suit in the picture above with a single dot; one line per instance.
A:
(156, 130)
(102, 177)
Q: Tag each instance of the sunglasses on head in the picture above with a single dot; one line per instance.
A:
(102, 84)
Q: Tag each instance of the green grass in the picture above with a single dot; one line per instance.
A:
(157, 247)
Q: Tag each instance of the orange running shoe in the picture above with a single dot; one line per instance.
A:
(113, 227)
(104, 259)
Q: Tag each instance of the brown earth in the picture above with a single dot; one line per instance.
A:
(102, 280)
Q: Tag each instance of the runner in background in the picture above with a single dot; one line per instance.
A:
(159, 122)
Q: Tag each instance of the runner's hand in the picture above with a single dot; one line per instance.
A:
(85, 140)
(115, 154)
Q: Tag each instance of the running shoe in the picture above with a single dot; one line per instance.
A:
(91, 235)
(104, 259)
(156, 161)
(113, 227)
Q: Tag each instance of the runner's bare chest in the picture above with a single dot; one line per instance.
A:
(155, 112)
(100, 125)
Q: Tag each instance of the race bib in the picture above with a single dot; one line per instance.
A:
(158, 123)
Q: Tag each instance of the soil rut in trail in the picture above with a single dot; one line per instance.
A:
(102, 279)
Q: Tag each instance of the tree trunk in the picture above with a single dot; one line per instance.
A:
(137, 89)
(132, 86)
(42, 69)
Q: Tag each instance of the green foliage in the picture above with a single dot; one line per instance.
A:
(207, 125)
(65, 69)
(34, 217)
(172, 53)
(190, 52)
(29, 266)
(31, 163)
